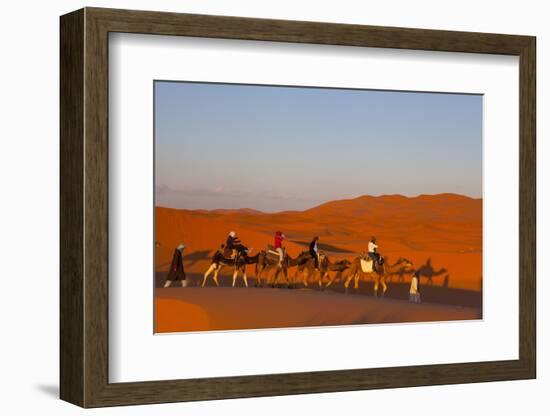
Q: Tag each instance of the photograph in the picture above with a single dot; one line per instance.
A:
(301, 206)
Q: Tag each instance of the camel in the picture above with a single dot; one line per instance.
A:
(239, 264)
(363, 266)
(304, 262)
(240, 267)
(338, 266)
(218, 261)
(307, 268)
(400, 273)
(269, 259)
(428, 271)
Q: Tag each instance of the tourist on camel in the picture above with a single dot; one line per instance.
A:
(278, 245)
(314, 251)
(233, 243)
(373, 252)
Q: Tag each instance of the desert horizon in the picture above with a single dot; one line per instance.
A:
(250, 210)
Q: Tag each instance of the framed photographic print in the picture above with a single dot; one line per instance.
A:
(255, 207)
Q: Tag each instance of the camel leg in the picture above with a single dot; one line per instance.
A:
(356, 283)
(235, 274)
(259, 275)
(348, 280)
(384, 286)
(263, 275)
(275, 277)
(207, 273)
(288, 278)
(216, 276)
(296, 273)
(288, 282)
(245, 279)
(278, 275)
(331, 281)
(313, 277)
(267, 275)
(321, 278)
(258, 278)
(376, 281)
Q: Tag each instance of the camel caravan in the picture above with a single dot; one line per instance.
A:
(273, 264)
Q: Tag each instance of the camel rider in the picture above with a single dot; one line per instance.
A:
(373, 252)
(314, 251)
(233, 243)
(278, 245)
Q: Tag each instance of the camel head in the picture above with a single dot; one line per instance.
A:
(341, 265)
(402, 261)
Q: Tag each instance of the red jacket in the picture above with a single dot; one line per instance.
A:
(279, 240)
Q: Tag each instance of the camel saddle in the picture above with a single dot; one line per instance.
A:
(272, 253)
(229, 253)
(366, 265)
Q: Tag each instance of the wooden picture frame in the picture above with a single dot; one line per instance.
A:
(84, 207)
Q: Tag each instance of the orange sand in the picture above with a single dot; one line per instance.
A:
(176, 316)
(184, 309)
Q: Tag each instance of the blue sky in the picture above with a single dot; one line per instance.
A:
(278, 148)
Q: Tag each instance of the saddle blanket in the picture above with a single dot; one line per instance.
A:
(366, 266)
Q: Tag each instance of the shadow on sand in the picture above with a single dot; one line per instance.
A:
(396, 290)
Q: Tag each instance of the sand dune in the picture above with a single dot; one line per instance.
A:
(442, 232)
(222, 308)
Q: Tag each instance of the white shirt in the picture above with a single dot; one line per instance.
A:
(372, 247)
(414, 286)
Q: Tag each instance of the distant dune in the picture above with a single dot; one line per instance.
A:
(442, 233)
